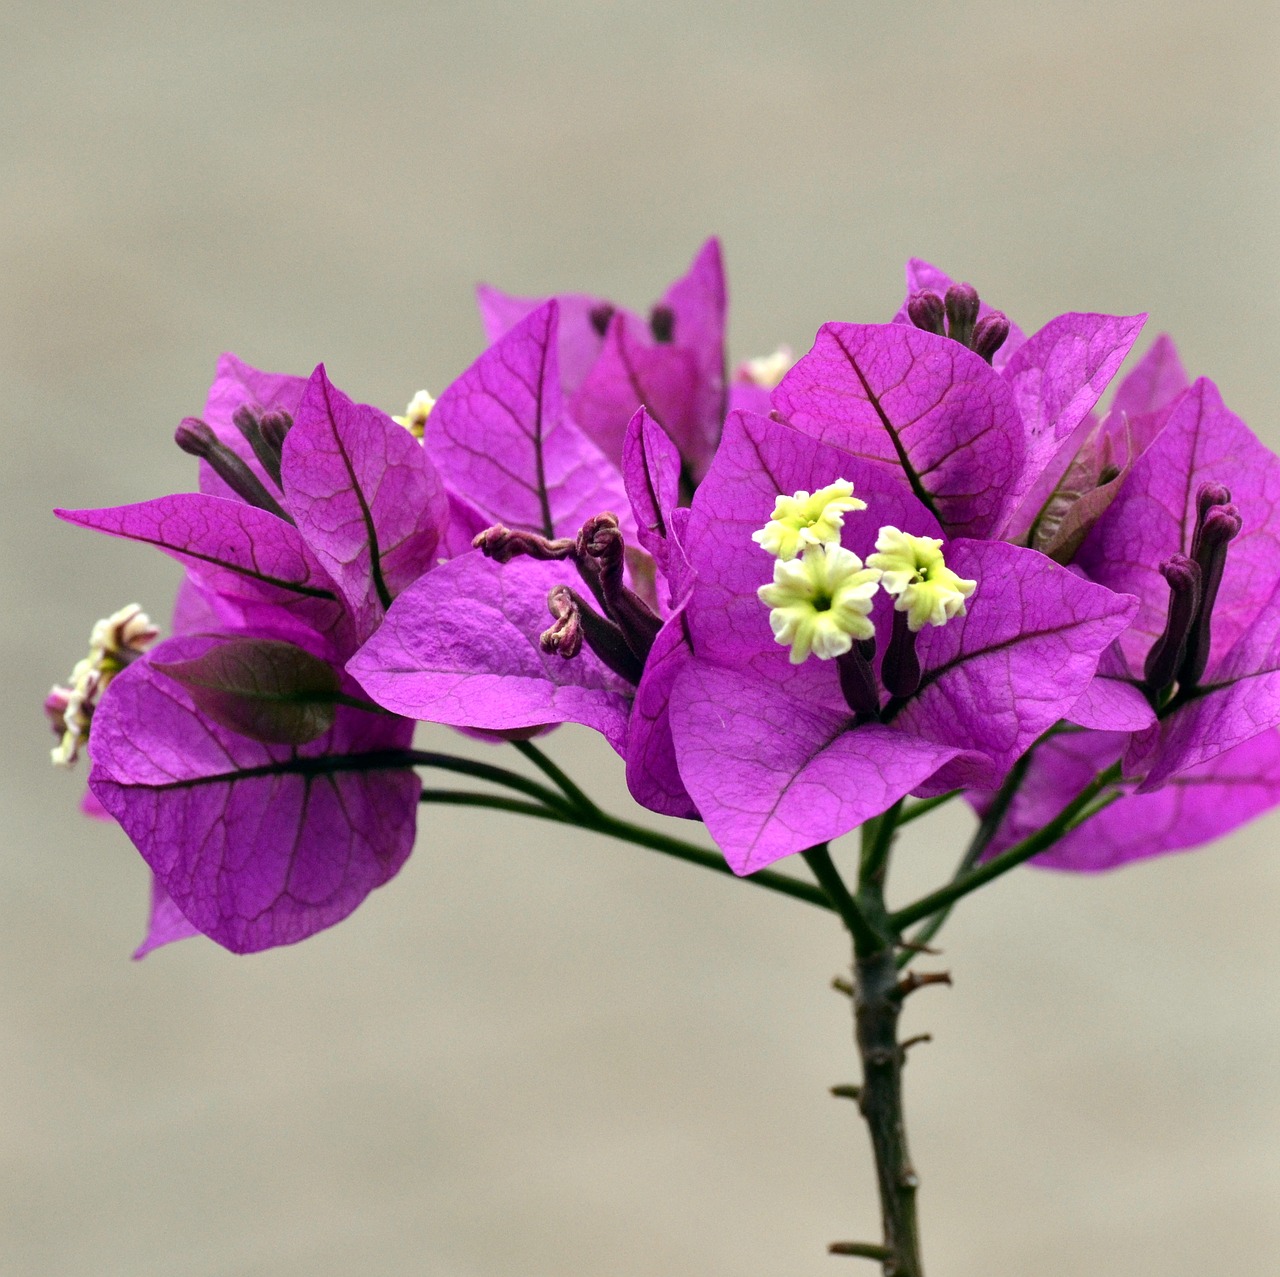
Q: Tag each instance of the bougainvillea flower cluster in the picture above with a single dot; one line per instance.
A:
(920, 559)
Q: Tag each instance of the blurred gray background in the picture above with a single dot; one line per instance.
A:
(532, 1054)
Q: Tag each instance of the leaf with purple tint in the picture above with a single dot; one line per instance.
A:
(258, 845)
(461, 647)
(366, 498)
(1154, 517)
(918, 404)
(166, 922)
(1196, 807)
(772, 774)
(265, 689)
(1017, 663)
(245, 558)
(502, 441)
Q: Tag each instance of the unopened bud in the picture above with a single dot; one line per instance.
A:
(600, 317)
(962, 312)
(662, 324)
(1220, 526)
(1169, 649)
(989, 334)
(196, 439)
(252, 426)
(926, 311)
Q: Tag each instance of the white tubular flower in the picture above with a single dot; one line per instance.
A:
(914, 572)
(416, 414)
(766, 371)
(819, 602)
(805, 519)
(115, 642)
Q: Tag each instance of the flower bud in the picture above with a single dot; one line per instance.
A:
(927, 312)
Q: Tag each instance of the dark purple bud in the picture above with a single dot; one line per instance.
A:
(900, 670)
(662, 324)
(858, 683)
(249, 424)
(600, 553)
(1208, 495)
(504, 544)
(600, 317)
(1169, 650)
(275, 425)
(564, 637)
(1220, 527)
(989, 335)
(577, 622)
(926, 311)
(962, 312)
(196, 439)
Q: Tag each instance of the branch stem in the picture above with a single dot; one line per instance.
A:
(1077, 810)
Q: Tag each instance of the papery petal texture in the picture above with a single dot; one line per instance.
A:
(653, 774)
(166, 923)
(919, 404)
(651, 472)
(1057, 376)
(772, 774)
(1155, 381)
(257, 845)
(501, 439)
(461, 647)
(1017, 663)
(579, 339)
(250, 565)
(1197, 806)
(1154, 517)
(366, 498)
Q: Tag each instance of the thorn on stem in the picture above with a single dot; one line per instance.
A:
(860, 1250)
(841, 985)
(913, 981)
(846, 1091)
(916, 1041)
(911, 946)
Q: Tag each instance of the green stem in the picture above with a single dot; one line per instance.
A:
(487, 771)
(625, 831)
(1071, 815)
(978, 844)
(925, 806)
(876, 843)
(495, 802)
(557, 777)
(818, 858)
